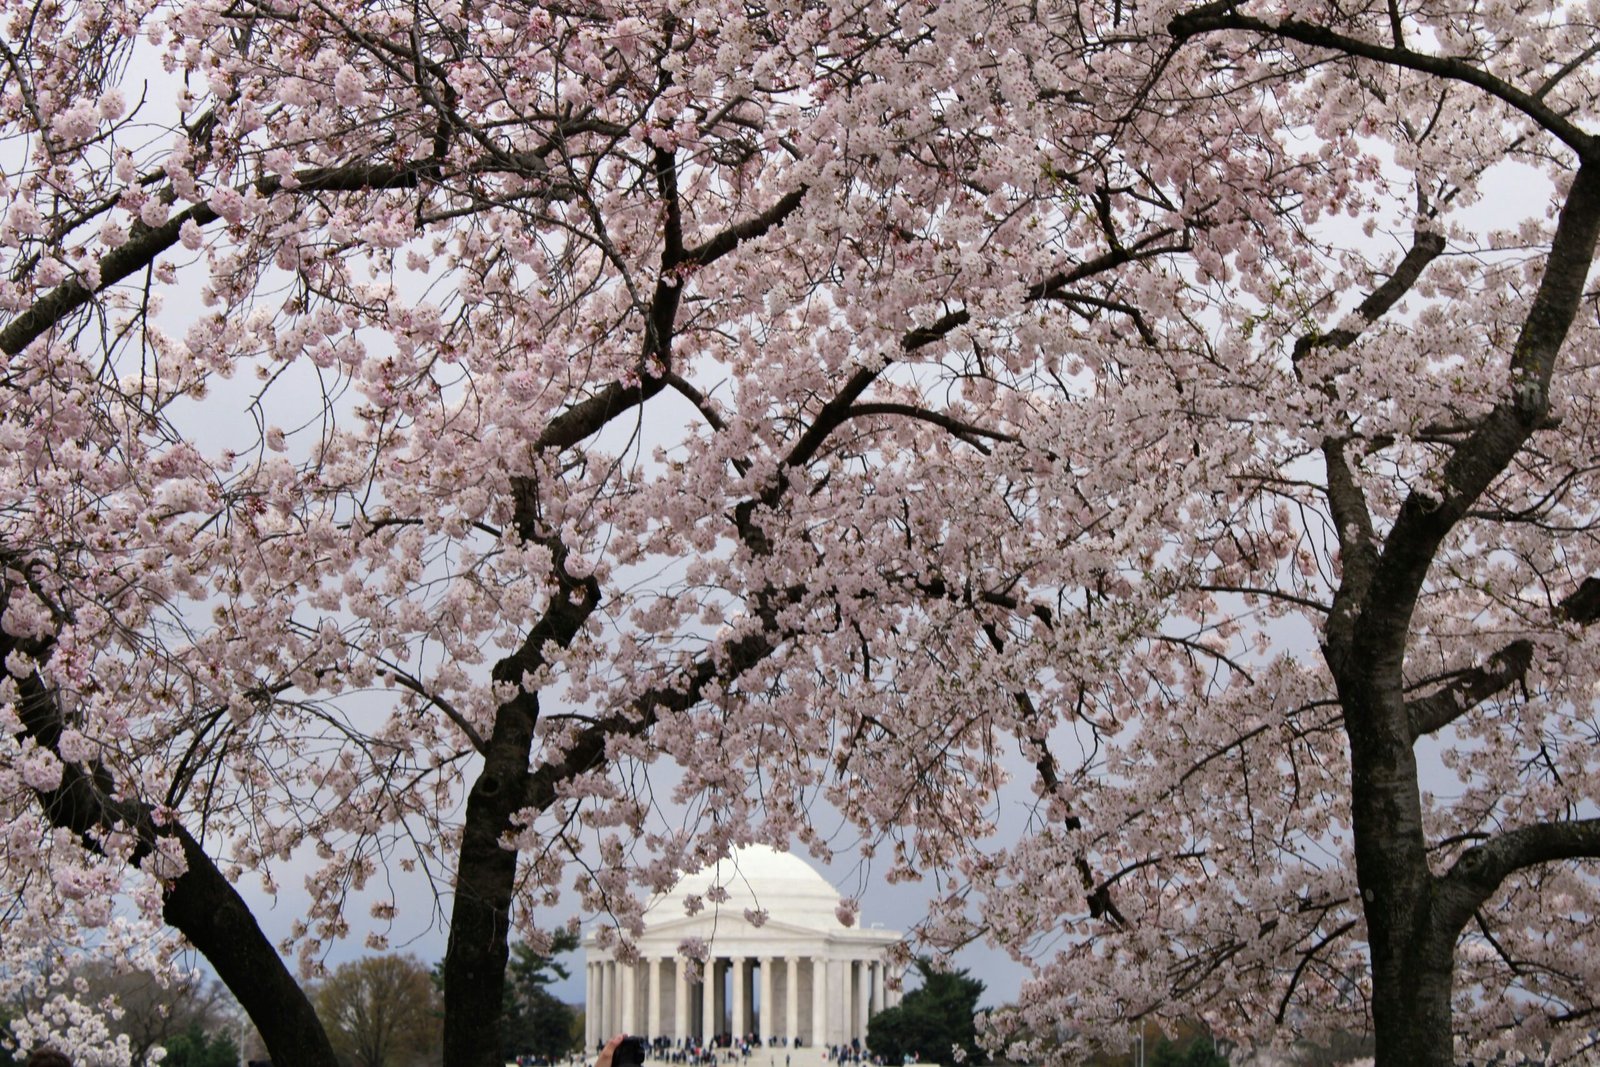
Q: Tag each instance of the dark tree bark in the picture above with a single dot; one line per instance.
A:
(1415, 917)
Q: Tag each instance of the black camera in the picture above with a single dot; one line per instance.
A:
(629, 1054)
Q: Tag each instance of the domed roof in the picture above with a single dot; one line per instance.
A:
(760, 877)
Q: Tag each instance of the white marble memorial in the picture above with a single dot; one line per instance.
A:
(802, 974)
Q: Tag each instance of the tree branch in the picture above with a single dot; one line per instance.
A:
(1305, 961)
(588, 751)
(965, 431)
(1223, 15)
(1471, 687)
(1427, 517)
(733, 236)
(147, 242)
(1425, 248)
(1478, 873)
(1352, 519)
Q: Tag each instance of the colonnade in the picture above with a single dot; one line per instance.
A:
(815, 1000)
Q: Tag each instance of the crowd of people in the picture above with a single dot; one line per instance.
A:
(737, 1049)
(723, 1048)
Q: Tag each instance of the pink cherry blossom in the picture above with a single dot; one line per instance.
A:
(1126, 469)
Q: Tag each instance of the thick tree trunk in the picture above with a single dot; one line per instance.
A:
(1411, 1014)
(480, 919)
(1411, 970)
(217, 921)
(1412, 958)
(1411, 982)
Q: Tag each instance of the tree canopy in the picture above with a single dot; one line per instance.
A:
(1197, 1052)
(935, 1023)
(380, 1011)
(533, 448)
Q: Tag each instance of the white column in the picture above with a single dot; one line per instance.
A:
(865, 999)
(624, 1001)
(845, 1002)
(708, 1010)
(680, 1003)
(791, 996)
(819, 1002)
(653, 1010)
(722, 999)
(629, 1023)
(875, 970)
(619, 1016)
(608, 998)
(749, 995)
(764, 1031)
(851, 1000)
(738, 1026)
(590, 1008)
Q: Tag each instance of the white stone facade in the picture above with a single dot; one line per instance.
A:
(802, 975)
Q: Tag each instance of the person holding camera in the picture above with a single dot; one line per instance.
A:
(621, 1051)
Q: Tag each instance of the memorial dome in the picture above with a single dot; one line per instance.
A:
(755, 877)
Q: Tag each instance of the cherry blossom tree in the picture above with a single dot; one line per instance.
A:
(1400, 826)
(432, 428)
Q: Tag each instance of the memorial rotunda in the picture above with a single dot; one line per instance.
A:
(802, 976)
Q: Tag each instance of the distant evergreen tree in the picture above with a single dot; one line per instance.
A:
(536, 1021)
(1197, 1052)
(195, 1048)
(931, 1022)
